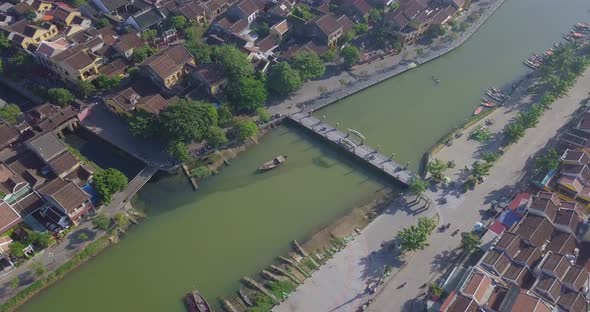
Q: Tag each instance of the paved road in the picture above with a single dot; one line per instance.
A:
(462, 212)
(339, 285)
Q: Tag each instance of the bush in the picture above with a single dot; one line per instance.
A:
(16, 249)
(201, 172)
(263, 115)
(121, 221)
(83, 236)
(40, 239)
(101, 222)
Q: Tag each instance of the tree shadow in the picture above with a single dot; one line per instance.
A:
(373, 265)
(443, 260)
(77, 237)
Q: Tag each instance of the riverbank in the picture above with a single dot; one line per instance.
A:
(321, 93)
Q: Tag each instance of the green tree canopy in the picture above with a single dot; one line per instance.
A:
(179, 150)
(140, 54)
(144, 124)
(547, 161)
(40, 239)
(234, 63)
(437, 168)
(121, 221)
(16, 249)
(216, 136)
(351, 55)
(102, 22)
(246, 94)
(246, 129)
(200, 50)
(187, 120)
(416, 237)
(178, 22)
(194, 33)
(108, 182)
(4, 42)
(86, 88)
(263, 114)
(104, 82)
(435, 31)
(226, 118)
(60, 96)
(303, 12)
(418, 186)
(10, 113)
(149, 35)
(282, 79)
(309, 65)
(101, 222)
(470, 242)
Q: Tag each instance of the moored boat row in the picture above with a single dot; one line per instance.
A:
(196, 303)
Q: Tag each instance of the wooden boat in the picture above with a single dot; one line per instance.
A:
(487, 104)
(478, 110)
(245, 297)
(277, 161)
(435, 79)
(196, 303)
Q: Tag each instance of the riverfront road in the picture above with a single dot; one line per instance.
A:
(339, 285)
(362, 151)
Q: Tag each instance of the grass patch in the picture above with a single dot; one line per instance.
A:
(82, 158)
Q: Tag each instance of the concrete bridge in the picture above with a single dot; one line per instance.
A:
(120, 199)
(363, 152)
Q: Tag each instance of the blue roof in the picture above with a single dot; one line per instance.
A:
(509, 218)
(92, 192)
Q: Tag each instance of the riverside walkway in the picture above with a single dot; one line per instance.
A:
(362, 151)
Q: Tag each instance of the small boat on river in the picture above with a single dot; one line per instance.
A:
(245, 297)
(196, 303)
(435, 79)
(478, 110)
(277, 161)
(487, 104)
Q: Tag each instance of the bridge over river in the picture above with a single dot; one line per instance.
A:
(362, 151)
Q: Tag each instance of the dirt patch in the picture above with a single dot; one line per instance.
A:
(357, 218)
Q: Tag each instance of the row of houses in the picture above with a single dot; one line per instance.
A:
(537, 261)
(42, 184)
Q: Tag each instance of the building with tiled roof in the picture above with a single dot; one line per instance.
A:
(245, 10)
(8, 135)
(211, 77)
(169, 67)
(113, 7)
(25, 33)
(67, 197)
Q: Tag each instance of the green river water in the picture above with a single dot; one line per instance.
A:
(239, 221)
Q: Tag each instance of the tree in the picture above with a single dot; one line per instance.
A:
(101, 222)
(86, 88)
(548, 161)
(436, 168)
(415, 237)
(309, 65)
(201, 172)
(187, 120)
(83, 236)
(4, 42)
(216, 136)
(226, 118)
(178, 22)
(121, 221)
(263, 115)
(418, 186)
(149, 35)
(143, 124)
(375, 16)
(10, 113)
(179, 150)
(200, 50)
(194, 33)
(246, 129)
(17, 249)
(246, 94)
(470, 242)
(60, 96)
(329, 55)
(38, 267)
(351, 55)
(546, 100)
(15, 283)
(77, 3)
(513, 132)
(102, 22)
(20, 58)
(282, 79)
(1, 66)
(302, 12)
(435, 31)
(30, 15)
(108, 182)
(104, 82)
(262, 29)
(361, 28)
(142, 53)
(40, 239)
(234, 63)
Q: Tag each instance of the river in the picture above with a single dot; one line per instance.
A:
(239, 221)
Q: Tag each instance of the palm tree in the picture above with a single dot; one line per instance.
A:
(436, 168)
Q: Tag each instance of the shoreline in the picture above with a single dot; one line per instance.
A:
(363, 83)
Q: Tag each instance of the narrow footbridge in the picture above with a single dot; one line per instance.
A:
(365, 153)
